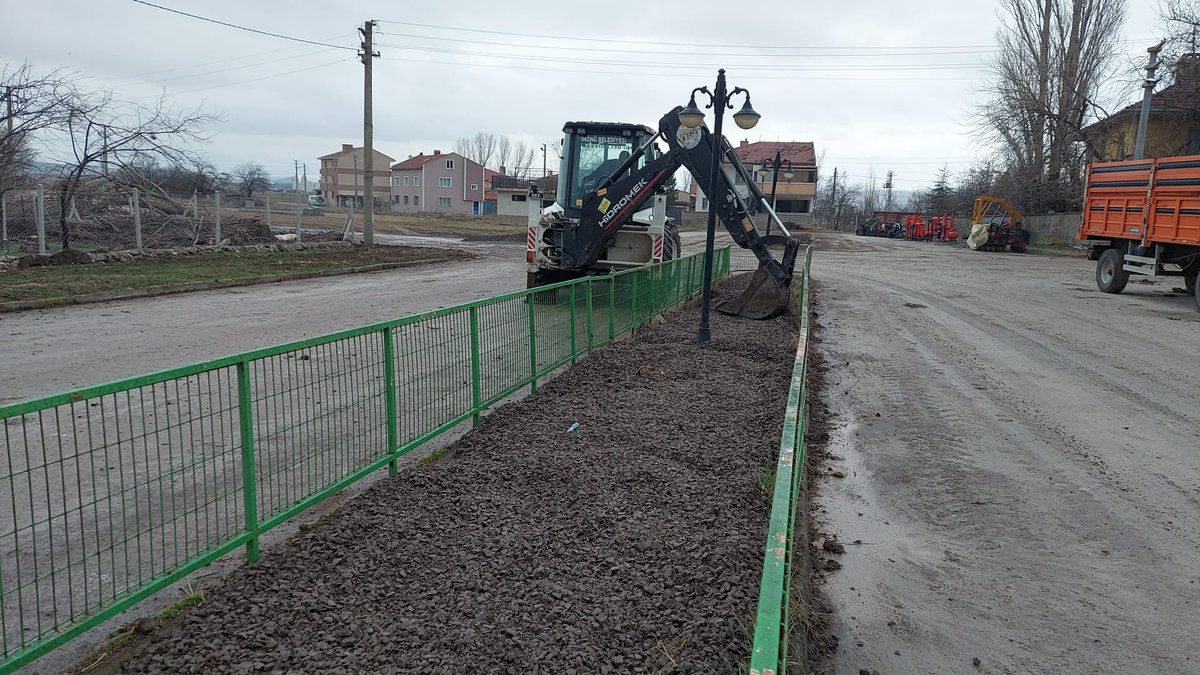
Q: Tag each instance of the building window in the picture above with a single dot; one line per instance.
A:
(406, 181)
(406, 200)
(445, 182)
(704, 203)
(416, 181)
(518, 198)
(474, 187)
(416, 200)
(449, 164)
(444, 202)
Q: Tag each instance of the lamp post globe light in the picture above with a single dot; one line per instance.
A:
(787, 173)
(691, 117)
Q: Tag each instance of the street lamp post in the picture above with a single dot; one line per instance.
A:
(787, 173)
(692, 117)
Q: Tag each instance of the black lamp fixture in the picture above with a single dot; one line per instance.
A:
(691, 117)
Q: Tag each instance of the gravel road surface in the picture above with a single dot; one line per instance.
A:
(52, 350)
(629, 543)
(1023, 470)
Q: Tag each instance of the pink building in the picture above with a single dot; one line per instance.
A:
(439, 183)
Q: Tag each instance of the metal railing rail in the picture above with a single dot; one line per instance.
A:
(772, 625)
(111, 493)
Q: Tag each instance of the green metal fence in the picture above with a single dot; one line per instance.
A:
(772, 625)
(112, 493)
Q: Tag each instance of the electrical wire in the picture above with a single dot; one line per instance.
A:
(573, 38)
(623, 50)
(265, 77)
(677, 75)
(149, 73)
(251, 30)
(699, 66)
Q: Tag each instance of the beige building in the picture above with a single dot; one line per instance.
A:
(1173, 128)
(342, 177)
(797, 185)
(512, 193)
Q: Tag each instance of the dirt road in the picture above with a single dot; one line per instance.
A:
(1023, 473)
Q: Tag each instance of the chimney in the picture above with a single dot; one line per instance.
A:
(347, 147)
(502, 171)
(436, 153)
(1187, 69)
(743, 143)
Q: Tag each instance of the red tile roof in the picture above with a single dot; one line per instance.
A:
(1181, 97)
(799, 153)
(339, 153)
(414, 162)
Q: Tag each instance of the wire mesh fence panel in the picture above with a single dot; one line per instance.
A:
(110, 493)
(553, 326)
(319, 415)
(107, 493)
(106, 216)
(433, 374)
(503, 347)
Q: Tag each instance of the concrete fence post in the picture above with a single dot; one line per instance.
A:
(217, 221)
(39, 216)
(137, 220)
(268, 210)
(3, 221)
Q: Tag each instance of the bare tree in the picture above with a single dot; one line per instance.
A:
(503, 155)
(37, 103)
(1052, 57)
(97, 130)
(522, 157)
(1181, 29)
(479, 148)
(251, 176)
(870, 193)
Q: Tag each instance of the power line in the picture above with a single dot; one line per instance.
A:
(251, 30)
(265, 77)
(148, 73)
(639, 42)
(679, 75)
(698, 66)
(623, 50)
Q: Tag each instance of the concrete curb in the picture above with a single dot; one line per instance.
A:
(170, 289)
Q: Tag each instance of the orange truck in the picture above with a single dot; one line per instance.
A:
(1142, 216)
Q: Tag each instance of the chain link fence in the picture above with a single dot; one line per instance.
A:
(113, 217)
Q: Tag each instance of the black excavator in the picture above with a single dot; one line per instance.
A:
(599, 221)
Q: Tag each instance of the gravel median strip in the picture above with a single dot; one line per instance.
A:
(632, 543)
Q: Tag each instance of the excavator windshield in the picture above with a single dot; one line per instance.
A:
(591, 154)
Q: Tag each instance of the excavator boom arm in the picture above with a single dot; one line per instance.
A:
(609, 208)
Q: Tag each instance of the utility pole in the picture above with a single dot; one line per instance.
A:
(296, 167)
(368, 54)
(305, 165)
(1139, 148)
(543, 160)
(833, 199)
(888, 186)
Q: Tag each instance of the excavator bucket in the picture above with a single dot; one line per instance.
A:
(765, 298)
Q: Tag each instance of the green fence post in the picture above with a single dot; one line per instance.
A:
(249, 474)
(633, 303)
(389, 397)
(573, 323)
(476, 390)
(588, 282)
(612, 306)
(533, 370)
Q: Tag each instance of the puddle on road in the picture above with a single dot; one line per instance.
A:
(869, 618)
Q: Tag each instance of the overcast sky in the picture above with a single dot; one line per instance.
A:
(874, 83)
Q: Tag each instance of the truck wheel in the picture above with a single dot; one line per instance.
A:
(1111, 276)
(1189, 281)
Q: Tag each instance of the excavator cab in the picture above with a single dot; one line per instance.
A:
(592, 151)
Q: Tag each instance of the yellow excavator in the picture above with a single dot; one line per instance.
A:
(996, 226)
